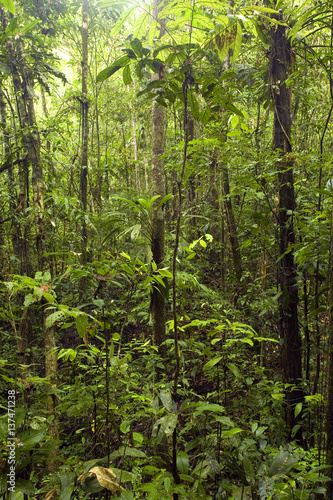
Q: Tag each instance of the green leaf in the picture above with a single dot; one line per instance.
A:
(29, 299)
(233, 368)
(182, 462)
(165, 273)
(283, 461)
(249, 472)
(259, 8)
(127, 451)
(231, 432)
(298, 409)
(127, 78)
(31, 438)
(125, 426)
(191, 256)
(107, 72)
(81, 322)
(67, 480)
(9, 5)
(234, 120)
(193, 105)
(27, 487)
(67, 354)
(53, 318)
(137, 47)
(165, 397)
(47, 296)
(261, 33)
(208, 407)
(165, 198)
(138, 437)
(205, 115)
(167, 484)
(121, 21)
(167, 423)
(210, 4)
(28, 28)
(211, 363)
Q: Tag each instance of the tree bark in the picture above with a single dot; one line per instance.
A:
(158, 218)
(280, 68)
(329, 412)
(85, 128)
(32, 141)
(51, 373)
(230, 217)
(23, 86)
(232, 228)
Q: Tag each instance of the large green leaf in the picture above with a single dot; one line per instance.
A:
(208, 407)
(117, 65)
(167, 423)
(231, 432)
(9, 5)
(53, 318)
(30, 438)
(127, 77)
(165, 397)
(211, 363)
(81, 322)
(67, 480)
(127, 452)
(137, 47)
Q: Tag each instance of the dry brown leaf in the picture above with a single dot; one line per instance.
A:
(50, 494)
(105, 477)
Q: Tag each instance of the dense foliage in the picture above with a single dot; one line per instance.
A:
(166, 164)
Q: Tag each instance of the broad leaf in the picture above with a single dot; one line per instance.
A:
(127, 78)
(81, 322)
(211, 363)
(137, 47)
(9, 4)
(53, 318)
(117, 65)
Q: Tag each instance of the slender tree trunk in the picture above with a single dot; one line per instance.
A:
(191, 191)
(329, 413)
(229, 212)
(51, 373)
(22, 242)
(222, 241)
(135, 151)
(23, 85)
(232, 228)
(85, 128)
(158, 219)
(7, 155)
(32, 140)
(280, 67)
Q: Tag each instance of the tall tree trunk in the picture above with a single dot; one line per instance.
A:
(191, 191)
(158, 188)
(7, 155)
(85, 128)
(23, 85)
(329, 425)
(135, 151)
(280, 67)
(229, 212)
(232, 228)
(51, 373)
(32, 141)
